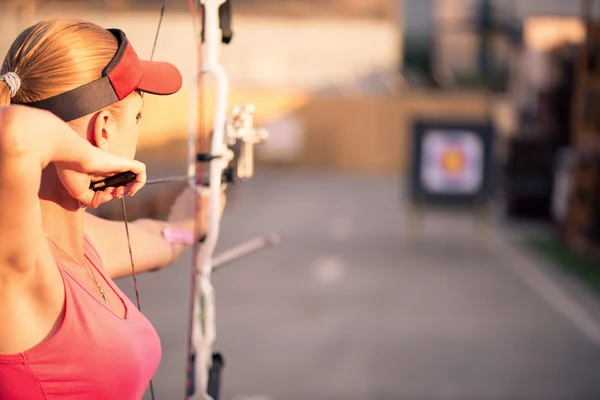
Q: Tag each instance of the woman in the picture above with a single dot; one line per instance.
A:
(71, 97)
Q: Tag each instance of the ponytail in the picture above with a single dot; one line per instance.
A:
(12, 82)
(4, 94)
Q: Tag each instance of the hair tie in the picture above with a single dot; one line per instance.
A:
(13, 82)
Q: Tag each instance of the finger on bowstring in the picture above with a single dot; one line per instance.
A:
(101, 198)
(135, 187)
(93, 199)
(119, 191)
(84, 200)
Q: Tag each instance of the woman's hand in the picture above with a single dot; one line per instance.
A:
(76, 177)
(182, 211)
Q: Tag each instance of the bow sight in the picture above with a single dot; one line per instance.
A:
(241, 136)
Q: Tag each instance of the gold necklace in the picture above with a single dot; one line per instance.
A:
(87, 266)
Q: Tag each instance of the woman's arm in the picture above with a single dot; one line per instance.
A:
(30, 139)
(149, 248)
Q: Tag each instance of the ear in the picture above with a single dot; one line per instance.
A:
(101, 127)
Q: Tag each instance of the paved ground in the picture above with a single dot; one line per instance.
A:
(348, 307)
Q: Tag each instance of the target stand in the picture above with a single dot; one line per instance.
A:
(452, 167)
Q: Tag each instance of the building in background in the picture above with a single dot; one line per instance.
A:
(448, 39)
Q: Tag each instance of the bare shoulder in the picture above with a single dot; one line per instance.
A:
(9, 129)
(32, 304)
(13, 119)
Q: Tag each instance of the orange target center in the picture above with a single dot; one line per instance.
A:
(453, 161)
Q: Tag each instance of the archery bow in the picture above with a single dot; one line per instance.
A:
(232, 143)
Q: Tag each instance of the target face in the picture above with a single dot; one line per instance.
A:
(453, 162)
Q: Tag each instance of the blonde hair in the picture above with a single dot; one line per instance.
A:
(55, 56)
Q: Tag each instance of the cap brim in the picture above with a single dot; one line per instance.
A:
(160, 78)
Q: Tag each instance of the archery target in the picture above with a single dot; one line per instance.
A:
(452, 162)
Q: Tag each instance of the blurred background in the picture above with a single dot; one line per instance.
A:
(433, 171)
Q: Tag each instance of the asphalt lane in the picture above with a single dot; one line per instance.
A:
(350, 307)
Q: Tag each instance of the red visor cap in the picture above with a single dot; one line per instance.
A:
(129, 73)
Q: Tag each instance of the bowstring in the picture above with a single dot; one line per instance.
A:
(125, 219)
(135, 285)
(160, 19)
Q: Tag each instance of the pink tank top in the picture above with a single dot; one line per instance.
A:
(95, 354)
